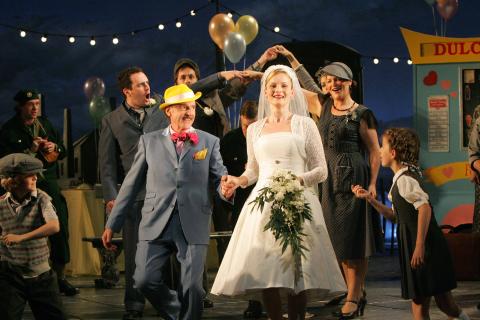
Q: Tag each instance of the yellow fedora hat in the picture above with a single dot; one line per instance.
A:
(177, 94)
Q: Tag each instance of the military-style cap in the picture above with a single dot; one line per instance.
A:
(25, 95)
(338, 69)
(185, 62)
(19, 163)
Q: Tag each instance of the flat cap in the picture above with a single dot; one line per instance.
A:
(338, 69)
(185, 62)
(25, 95)
(19, 163)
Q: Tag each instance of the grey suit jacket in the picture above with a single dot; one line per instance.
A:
(119, 136)
(171, 183)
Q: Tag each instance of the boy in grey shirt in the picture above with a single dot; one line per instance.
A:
(27, 218)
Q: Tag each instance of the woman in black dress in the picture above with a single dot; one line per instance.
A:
(348, 130)
(425, 263)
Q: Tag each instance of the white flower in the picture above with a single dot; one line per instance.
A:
(279, 196)
(208, 111)
(151, 101)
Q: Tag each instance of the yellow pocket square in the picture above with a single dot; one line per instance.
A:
(200, 155)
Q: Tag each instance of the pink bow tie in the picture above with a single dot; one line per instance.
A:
(185, 136)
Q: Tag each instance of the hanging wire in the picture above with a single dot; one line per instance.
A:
(261, 25)
(434, 21)
(104, 35)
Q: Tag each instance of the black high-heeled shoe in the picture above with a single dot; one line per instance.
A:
(361, 305)
(350, 315)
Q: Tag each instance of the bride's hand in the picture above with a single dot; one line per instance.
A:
(228, 185)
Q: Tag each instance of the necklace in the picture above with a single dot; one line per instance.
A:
(342, 110)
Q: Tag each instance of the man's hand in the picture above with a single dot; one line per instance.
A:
(48, 146)
(37, 142)
(249, 75)
(109, 206)
(107, 239)
(418, 257)
(226, 188)
(10, 239)
(228, 75)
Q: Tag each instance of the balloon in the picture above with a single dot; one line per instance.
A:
(247, 26)
(219, 27)
(94, 87)
(430, 2)
(234, 47)
(447, 8)
(98, 107)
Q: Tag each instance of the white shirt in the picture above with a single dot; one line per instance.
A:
(409, 189)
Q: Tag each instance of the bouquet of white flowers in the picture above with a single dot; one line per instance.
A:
(289, 211)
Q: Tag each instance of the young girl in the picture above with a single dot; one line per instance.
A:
(425, 263)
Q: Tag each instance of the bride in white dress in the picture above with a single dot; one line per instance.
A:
(283, 138)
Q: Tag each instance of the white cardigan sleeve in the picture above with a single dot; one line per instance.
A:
(251, 170)
(315, 154)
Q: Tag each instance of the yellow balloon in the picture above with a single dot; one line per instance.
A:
(247, 26)
(219, 27)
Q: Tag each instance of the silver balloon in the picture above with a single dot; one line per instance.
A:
(94, 87)
(234, 47)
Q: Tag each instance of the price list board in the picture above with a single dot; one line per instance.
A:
(438, 120)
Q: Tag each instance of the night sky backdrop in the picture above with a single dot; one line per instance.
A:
(59, 69)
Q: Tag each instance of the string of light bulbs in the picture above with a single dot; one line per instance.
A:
(72, 38)
(395, 60)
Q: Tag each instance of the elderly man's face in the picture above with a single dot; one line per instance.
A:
(186, 75)
(29, 110)
(181, 115)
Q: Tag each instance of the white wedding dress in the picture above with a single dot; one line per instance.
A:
(254, 260)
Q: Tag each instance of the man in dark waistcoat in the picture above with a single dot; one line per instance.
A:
(29, 133)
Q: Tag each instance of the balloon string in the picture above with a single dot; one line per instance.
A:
(434, 21)
(224, 63)
(244, 59)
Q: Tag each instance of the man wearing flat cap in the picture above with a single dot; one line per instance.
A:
(29, 133)
(27, 217)
(177, 165)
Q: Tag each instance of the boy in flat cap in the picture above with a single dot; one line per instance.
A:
(29, 133)
(27, 218)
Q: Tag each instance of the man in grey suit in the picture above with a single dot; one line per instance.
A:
(121, 129)
(176, 164)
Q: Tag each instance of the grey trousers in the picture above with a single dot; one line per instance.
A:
(133, 299)
(187, 302)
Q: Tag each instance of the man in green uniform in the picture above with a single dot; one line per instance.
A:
(29, 133)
